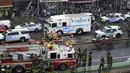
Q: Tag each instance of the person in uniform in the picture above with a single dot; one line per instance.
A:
(84, 59)
(73, 70)
(111, 61)
(102, 61)
(35, 69)
(28, 69)
(79, 54)
(108, 58)
(90, 58)
(8, 69)
(51, 67)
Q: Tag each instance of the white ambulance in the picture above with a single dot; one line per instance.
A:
(69, 23)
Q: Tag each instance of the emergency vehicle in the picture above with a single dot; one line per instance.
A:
(19, 56)
(69, 23)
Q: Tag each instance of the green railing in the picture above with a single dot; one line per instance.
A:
(94, 69)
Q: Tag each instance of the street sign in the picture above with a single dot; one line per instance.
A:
(53, 0)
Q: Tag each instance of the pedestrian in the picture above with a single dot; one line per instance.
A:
(90, 58)
(108, 59)
(102, 61)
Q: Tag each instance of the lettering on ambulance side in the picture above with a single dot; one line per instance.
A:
(80, 20)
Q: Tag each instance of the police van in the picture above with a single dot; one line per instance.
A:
(69, 23)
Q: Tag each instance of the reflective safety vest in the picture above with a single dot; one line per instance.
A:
(6, 13)
(84, 57)
(43, 70)
(9, 71)
(28, 70)
(35, 70)
(1, 14)
(70, 42)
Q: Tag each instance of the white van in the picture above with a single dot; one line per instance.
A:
(7, 23)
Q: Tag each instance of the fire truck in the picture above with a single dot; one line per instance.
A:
(19, 56)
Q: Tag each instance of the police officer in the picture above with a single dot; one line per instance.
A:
(84, 59)
(28, 69)
(8, 69)
(102, 61)
(90, 58)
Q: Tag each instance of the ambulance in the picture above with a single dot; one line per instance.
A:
(69, 23)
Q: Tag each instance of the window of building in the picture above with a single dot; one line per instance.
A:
(64, 24)
(53, 56)
(70, 55)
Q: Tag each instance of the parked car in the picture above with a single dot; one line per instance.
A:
(2, 28)
(7, 23)
(15, 36)
(112, 31)
(30, 27)
(116, 17)
(127, 16)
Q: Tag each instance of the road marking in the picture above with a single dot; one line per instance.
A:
(128, 60)
(113, 58)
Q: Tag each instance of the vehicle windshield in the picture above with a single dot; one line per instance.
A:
(48, 24)
(104, 30)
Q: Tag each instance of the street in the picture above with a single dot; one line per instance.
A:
(119, 50)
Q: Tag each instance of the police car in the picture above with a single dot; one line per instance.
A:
(30, 26)
(15, 36)
(127, 16)
(112, 31)
(116, 17)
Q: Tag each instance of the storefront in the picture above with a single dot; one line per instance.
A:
(5, 8)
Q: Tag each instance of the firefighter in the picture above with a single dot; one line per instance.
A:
(51, 67)
(90, 58)
(35, 60)
(73, 70)
(108, 58)
(28, 69)
(102, 61)
(6, 13)
(3, 70)
(111, 61)
(79, 54)
(69, 42)
(8, 69)
(35, 69)
(49, 45)
(1, 14)
(84, 59)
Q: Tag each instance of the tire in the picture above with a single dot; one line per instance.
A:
(22, 39)
(62, 67)
(36, 30)
(118, 35)
(108, 22)
(59, 33)
(19, 69)
(79, 31)
(103, 36)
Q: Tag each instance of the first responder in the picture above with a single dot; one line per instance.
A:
(111, 61)
(102, 61)
(69, 42)
(50, 36)
(90, 58)
(35, 69)
(84, 59)
(108, 58)
(73, 70)
(28, 69)
(35, 60)
(6, 13)
(1, 14)
(49, 45)
(79, 54)
(51, 67)
(8, 69)
(54, 35)
(3, 70)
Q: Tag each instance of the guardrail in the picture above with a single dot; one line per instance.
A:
(94, 69)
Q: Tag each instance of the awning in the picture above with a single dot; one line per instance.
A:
(53, 0)
(5, 3)
(82, 1)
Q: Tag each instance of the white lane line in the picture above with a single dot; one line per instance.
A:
(113, 58)
(128, 60)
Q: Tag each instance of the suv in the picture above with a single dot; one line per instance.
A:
(116, 17)
(112, 31)
(16, 36)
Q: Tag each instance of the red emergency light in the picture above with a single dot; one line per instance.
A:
(21, 49)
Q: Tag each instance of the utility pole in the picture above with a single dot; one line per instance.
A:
(38, 3)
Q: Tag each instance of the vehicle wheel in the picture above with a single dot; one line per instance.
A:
(62, 67)
(59, 33)
(103, 36)
(22, 39)
(36, 30)
(118, 35)
(19, 69)
(79, 31)
(108, 22)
